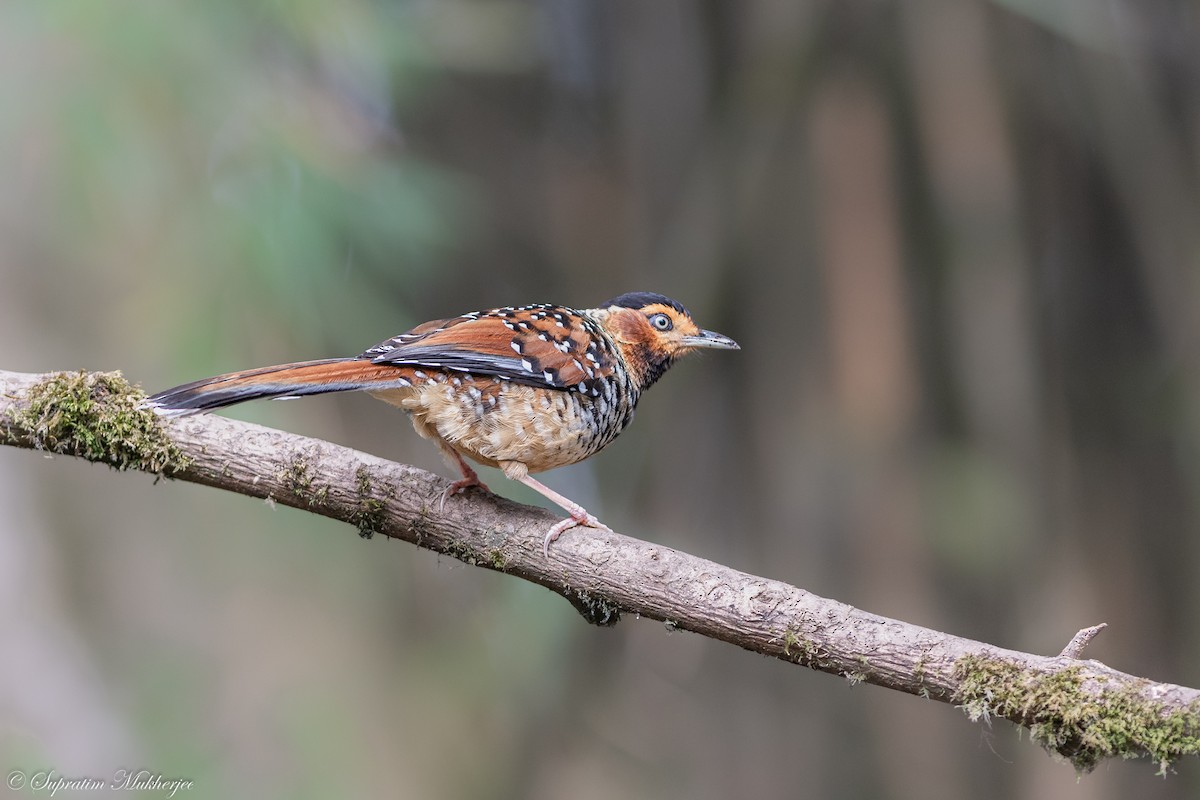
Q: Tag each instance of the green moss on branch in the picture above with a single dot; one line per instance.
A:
(97, 416)
(371, 514)
(1064, 716)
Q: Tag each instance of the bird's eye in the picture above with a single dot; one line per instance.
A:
(661, 322)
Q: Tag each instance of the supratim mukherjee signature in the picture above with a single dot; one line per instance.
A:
(51, 782)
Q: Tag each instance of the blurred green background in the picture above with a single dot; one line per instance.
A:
(958, 241)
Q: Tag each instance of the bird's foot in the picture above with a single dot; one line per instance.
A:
(459, 486)
(579, 516)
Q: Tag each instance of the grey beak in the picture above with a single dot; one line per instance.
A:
(712, 340)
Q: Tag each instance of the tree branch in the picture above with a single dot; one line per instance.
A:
(1082, 710)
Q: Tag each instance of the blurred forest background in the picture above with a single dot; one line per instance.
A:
(958, 241)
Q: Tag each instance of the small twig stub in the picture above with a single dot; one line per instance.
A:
(1081, 640)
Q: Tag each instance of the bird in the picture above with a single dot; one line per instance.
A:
(522, 388)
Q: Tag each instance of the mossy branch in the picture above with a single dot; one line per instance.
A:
(1081, 710)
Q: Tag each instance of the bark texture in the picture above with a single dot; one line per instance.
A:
(1080, 709)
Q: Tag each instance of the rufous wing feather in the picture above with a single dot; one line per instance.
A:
(540, 345)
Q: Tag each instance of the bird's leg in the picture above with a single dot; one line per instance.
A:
(469, 478)
(579, 515)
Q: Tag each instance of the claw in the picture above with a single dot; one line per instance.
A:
(576, 519)
(460, 486)
(468, 479)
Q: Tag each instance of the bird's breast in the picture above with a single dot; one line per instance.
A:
(492, 420)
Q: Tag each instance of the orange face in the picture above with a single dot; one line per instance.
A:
(666, 330)
(652, 335)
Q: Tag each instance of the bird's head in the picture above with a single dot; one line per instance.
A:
(652, 331)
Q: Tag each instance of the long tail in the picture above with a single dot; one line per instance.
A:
(282, 381)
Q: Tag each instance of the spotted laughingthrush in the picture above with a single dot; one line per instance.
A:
(524, 389)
